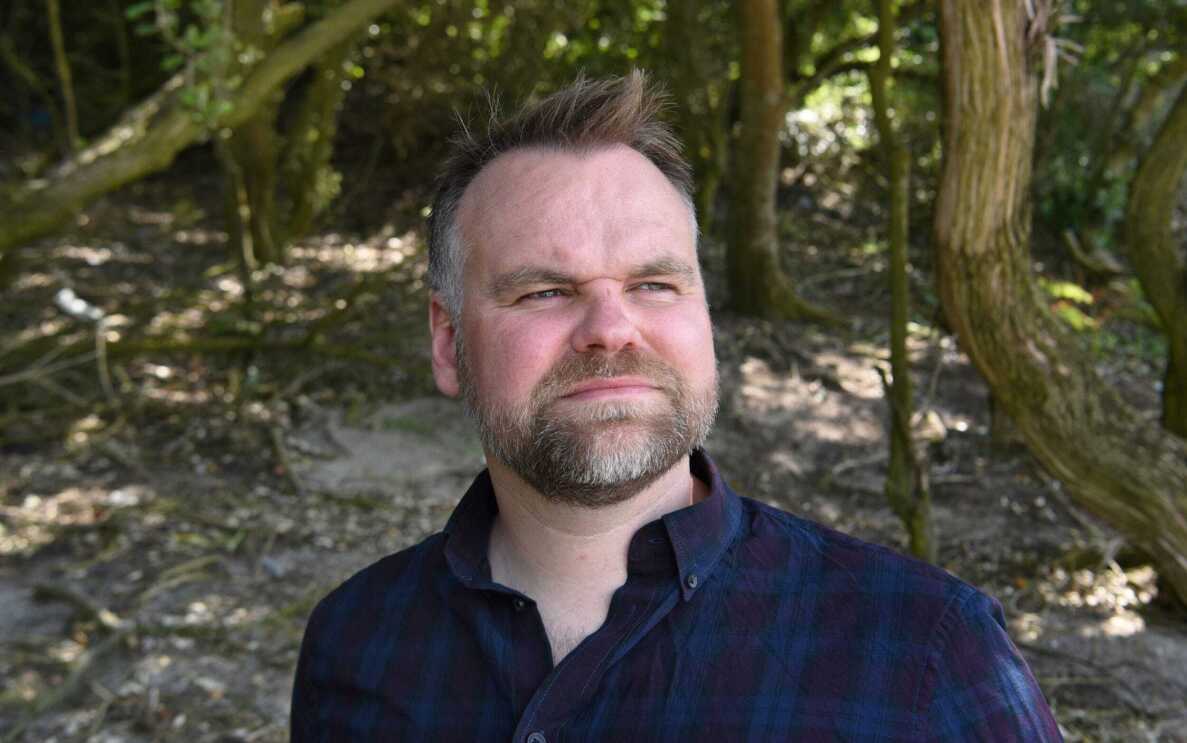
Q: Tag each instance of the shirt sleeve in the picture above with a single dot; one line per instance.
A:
(978, 687)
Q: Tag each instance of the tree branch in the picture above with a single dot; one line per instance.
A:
(153, 134)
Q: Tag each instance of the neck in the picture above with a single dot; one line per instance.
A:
(543, 547)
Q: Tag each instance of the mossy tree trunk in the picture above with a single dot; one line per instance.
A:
(1113, 463)
(309, 145)
(276, 212)
(906, 476)
(148, 137)
(1157, 252)
(249, 154)
(758, 285)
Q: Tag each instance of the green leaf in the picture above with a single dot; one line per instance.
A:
(136, 10)
(1066, 290)
(1074, 318)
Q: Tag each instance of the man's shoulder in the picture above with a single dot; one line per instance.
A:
(928, 642)
(822, 559)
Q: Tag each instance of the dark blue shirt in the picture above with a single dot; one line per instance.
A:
(737, 622)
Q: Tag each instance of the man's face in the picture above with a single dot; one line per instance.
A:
(585, 350)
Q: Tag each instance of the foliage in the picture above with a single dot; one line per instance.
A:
(433, 62)
(425, 63)
(1093, 129)
(201, 43)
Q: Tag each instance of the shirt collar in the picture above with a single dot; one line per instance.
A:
(697, 536)
(701, 533)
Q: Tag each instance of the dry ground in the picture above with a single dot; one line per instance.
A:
(169, 518)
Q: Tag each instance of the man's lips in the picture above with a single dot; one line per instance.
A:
(611, 387)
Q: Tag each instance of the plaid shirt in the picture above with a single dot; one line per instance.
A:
(737, 622)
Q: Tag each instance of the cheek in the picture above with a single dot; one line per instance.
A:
(686, 340)
(515, 355)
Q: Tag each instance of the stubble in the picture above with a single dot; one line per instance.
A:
(594, 453)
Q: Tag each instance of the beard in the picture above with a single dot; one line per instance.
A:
(600, 452)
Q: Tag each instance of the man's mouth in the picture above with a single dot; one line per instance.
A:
(595, 389)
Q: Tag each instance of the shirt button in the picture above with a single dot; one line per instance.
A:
(537, 737)
(692, 581)
(519, 605)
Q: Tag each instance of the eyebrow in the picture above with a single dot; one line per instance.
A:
(510, 281)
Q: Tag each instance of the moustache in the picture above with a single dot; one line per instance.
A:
(574, 370)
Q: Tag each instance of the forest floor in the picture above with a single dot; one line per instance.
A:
(171, 510)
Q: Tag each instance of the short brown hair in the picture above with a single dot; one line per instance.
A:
(584, 115)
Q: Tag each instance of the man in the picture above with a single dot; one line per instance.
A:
(599, 581)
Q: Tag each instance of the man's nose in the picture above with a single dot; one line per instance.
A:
(606, 324)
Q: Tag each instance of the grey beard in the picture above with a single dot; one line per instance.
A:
(604, 454)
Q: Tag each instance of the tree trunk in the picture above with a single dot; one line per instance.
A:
(700, 84)
(148, 138)
(1156, 252)
(252, 146)
(305, 160)
(906, 474)
(65, 78)
(758, 284)
(1114, 465)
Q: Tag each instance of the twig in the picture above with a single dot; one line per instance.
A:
(119, 629)
(89, 609)
(101, 360)
(39, 370)
(293, 387)
(822, 278)
(60, 391)
(71, 684)
(185, 572)
(854, 463)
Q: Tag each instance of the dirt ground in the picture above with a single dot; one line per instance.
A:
(169, 517)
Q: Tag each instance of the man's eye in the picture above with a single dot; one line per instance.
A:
(542, 294)
(655, 286)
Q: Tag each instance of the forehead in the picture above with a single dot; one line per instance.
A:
(594, 210)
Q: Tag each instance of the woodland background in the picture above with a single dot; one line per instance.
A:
(945, 243)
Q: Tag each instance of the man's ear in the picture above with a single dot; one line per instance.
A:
(443, 332)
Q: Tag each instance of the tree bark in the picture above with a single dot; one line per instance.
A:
(1156, 252)
(305, 159)
(148, 138)
(1114, 464)
(906, 475)
(252, 145)
(758, 284)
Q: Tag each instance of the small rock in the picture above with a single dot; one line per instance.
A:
(274, 567)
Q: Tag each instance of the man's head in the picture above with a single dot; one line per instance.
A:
(568, 307)
(587, 115)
